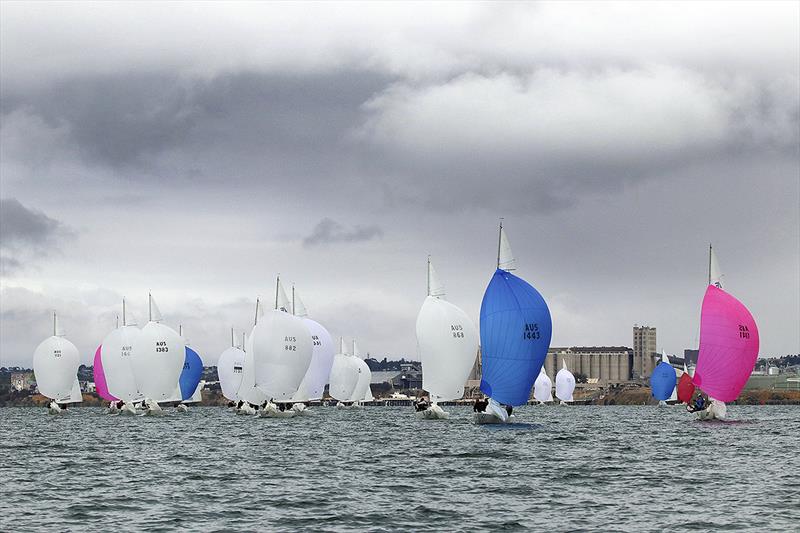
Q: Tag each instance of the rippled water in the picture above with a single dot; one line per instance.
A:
(579, 468)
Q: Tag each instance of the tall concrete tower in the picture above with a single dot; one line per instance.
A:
(644, 351)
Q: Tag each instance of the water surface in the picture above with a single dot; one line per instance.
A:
(614, 468)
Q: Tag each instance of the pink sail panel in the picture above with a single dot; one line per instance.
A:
(100, 378)
(728, 346)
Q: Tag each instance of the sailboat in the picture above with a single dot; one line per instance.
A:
(543, 388)
(158, 358)
(116, 359)
(189, 382)
(362, 388)
(319, 370)
(729, 344)
(283, 350)
(55, 367)
(663, 381)
(344, 376)
(447, 341)
(565, 384)
(515, 331)
(229, 369)
(250, 395)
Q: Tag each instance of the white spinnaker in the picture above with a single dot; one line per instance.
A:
(55, 365)
(248, 391)
(506, 259)
(344, 377)
(565, 384)
(319, 370)
(362, 383)
(75, 395)
(158, 357)
(448, 345)
(116, 353)
(543, 387)
(282, 353)
(229, 369)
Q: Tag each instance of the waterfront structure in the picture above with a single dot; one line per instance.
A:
(602, 366)
(645, 356)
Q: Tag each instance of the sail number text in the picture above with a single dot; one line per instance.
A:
(290, 347)
(457, 330)
(531, 332)
(744, 333)
(316, 340)
(161, 347)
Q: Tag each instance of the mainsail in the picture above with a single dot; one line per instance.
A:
(158, 357)
(344, 375)
(447, 341)
(55, 364)
(362, 383)
(565, 384)
(515, 331)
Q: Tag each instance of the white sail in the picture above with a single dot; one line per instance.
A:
(55, 364)
(435, 285)
(282, 302)
(58, 330)
(155, 312)
(248, 391)
(362, 383)
(313, 385)
(368, 397)
(298, 307)
(565, 384)
(197, 395)
(356, 351)
(75, 395)
(282, 351)
(543, 387)
(176, 395)
(505, 258)
(158, 357)
(116, 353)
(344, 377)
(447, 341)
(229, 369)
(342, 349)
(714, 272)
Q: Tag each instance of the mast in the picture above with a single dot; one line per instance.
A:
(255, 320)
(180, 330)
(499, 241)
(117, 321)
(233, 343)
(429, 275)
(150, 306)
(277, 284)
(124, 323)
(292, 298)
(243, 337)
(709, 263)
(55, 325)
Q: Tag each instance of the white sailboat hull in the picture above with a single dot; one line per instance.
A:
(271, 411)
(434, 412)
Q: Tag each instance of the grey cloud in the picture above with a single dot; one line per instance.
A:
(25, 233)
(328, 231)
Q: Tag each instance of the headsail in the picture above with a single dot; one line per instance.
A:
(75, 395)
(447, 341)
(728, 346)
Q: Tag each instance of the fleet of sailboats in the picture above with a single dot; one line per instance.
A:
(288, 359)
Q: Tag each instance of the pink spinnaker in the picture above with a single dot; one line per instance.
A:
(100, 378)
(728, 346)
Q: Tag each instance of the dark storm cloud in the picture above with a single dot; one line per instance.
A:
(328, 231)
(24, 232)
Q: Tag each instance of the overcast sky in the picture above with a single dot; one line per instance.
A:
(198, 150)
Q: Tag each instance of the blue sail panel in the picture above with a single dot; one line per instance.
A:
(662, 381)
(515, 335)
(191, 373)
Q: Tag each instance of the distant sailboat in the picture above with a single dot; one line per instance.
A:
(313, 384)
(55, 367)
(229, 369)
(158, 359)
(248, 393)
(283, 350)
(191, 374)
(116, 357)
(362, 388)
(729, 345)
(344, 375)
(515, 331)
(543, 388)
(447, 341)
(565, 384)
(663, 380)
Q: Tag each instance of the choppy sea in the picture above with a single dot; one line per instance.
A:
(615, 468)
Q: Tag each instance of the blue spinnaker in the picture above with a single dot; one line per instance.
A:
(515, 336)
(191, 373)
(662, 381)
